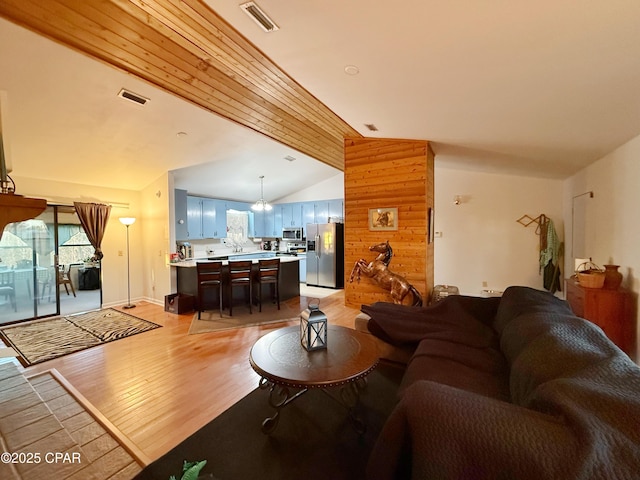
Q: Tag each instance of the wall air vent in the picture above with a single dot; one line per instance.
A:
(258, 16)
(132, 97)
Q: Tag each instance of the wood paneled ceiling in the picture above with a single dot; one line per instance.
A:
(186, 49)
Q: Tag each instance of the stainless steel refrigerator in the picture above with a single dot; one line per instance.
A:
(325, 254)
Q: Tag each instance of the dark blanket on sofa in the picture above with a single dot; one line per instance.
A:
(453, 340)
(458, 319)
(574, 411)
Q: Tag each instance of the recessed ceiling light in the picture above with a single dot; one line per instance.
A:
(351, 70)
(132, 97)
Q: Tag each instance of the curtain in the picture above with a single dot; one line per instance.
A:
(93, 218)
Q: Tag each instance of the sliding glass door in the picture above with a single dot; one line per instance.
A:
(42, 268)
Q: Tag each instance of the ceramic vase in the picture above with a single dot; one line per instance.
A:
(612, 277)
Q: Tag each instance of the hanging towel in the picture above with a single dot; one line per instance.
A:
(549, 244)
(550, 247)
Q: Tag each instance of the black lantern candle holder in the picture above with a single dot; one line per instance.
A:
(313, 328)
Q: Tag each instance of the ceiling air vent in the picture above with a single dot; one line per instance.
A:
(258, 16)
(371, 127)
(132, 97)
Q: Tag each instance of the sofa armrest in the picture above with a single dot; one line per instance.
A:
(387, 351)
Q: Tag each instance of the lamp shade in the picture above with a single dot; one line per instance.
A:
(127, 220)
(313, 328)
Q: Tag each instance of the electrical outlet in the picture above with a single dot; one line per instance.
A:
(485, 284)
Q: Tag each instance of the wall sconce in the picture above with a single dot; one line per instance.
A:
(457, 200)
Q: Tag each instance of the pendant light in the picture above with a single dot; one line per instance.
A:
(261, 205)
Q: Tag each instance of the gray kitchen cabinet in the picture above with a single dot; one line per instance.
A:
(214, 218)
(291, 215)
(194, 217)
(265, 223)
(336, 210)
(258, 229)
(180, 205)
(277, 221)
(201, 217)
(321, 212)
(206, 218)
(238, 206)
(308, 213)
(269, 224)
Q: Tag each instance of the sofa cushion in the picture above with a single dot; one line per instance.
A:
(479, 370)
(516, 301)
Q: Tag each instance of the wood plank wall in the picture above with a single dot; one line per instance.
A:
(388, 173)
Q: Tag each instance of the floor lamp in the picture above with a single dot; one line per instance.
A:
(127, 221)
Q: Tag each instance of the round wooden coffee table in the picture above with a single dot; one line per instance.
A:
(283, 364)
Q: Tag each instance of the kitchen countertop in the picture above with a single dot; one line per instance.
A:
(192, 263)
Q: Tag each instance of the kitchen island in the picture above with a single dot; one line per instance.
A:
(289, 285)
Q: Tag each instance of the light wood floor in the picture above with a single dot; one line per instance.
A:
(159, 387)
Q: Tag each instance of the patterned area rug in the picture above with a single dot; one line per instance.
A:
(43, 340)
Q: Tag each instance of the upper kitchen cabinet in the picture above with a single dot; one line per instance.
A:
(214, 218)
(308, 213)
(180, 203)
(291, 215)
(238, 206)
(268, 223)
(206, 218)
(194, 217)
(336, 210)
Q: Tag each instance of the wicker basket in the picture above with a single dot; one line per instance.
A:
(591, 276)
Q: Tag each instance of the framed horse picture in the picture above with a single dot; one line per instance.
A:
(383, 219)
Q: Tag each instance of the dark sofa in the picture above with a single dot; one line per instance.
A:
(515, 387)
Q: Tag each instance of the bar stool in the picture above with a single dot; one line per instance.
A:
(209, 277)
(269, 274)
(240, 275)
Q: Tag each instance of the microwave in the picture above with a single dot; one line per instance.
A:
(292, 233)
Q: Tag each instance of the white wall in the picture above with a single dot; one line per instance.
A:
(326, 190)
(157, 203)
(612, 219)
(482, 246)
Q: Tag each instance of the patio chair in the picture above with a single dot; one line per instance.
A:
(65, 279)
(8, 287)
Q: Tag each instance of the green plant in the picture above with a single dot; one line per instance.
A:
(190, 470)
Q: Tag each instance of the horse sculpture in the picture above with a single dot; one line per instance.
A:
(377, 270)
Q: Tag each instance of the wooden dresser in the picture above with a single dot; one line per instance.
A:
(611, 310)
